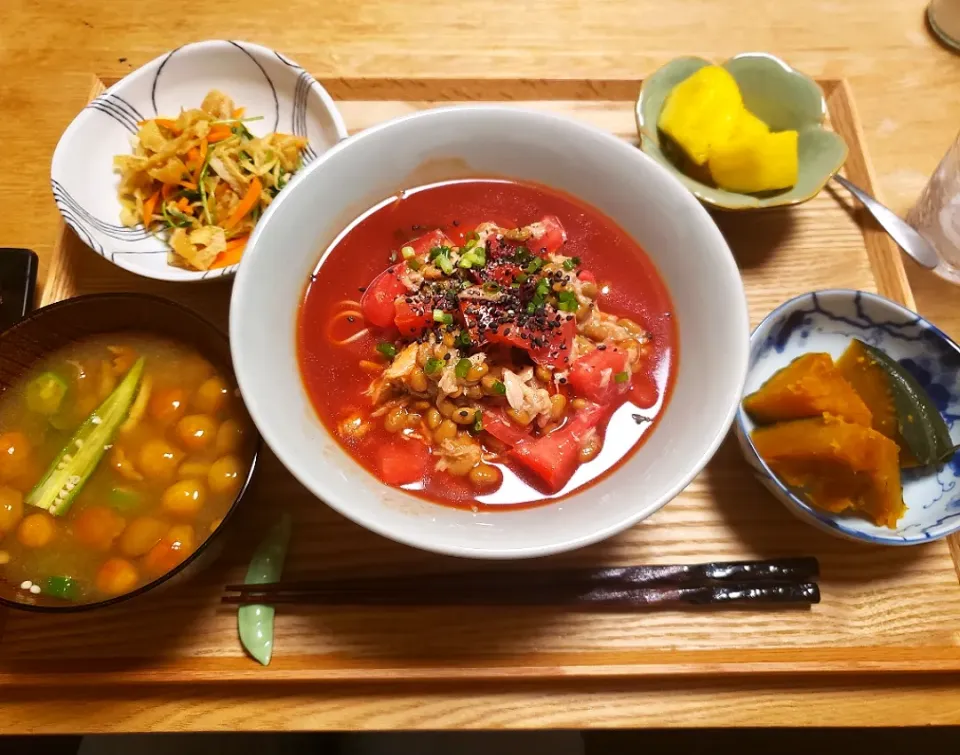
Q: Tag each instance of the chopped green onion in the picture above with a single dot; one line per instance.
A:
(65, 588)
(522, 255)
(432, 365)
(462, 368)
(436, 251)
(534, 265)
(387, 349)
(470, 244)
(543, 287)
(463, 339)
(440, 316)
(466, 262)
(567, 301)
(622, 377)
(576, 261)
(521, 278)
(478, 421)
(531, 308)
(444, 263)
(408, 252)
(568, 265)
(499, 388)
(472, 236)
(413, 264)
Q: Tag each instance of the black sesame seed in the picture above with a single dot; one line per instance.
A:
(601, 347)
(456, 223)
(351, 318)
(362, 289)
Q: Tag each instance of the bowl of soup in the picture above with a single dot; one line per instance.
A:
(124, 447)
(489, 332)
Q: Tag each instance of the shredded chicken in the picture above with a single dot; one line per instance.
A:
(403, 364)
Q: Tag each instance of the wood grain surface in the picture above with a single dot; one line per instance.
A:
(900, 78)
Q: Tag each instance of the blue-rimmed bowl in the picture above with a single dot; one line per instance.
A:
(826, 321)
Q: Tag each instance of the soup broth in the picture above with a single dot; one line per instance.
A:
(161, 479)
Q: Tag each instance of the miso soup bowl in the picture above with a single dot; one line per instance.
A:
(641, 196)
(57, 325)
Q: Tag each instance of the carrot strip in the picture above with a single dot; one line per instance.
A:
(220, 190)
(183, 204)
(148, 206)
(200, 162)
(168, 190)
(245, 205)
(218, 134)
(166, 123)
(232, 254)
(238, 113)
(188, 185)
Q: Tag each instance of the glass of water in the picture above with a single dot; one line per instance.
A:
(937, 213)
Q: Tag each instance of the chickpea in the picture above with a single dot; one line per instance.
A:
(485, 475)
(584, 313)
(184, 498)
(97, 527)
(433, 422)
(211, 396)
(590, 448)
(173, 548)
(141, 535)
(168, 405)
(413, 420)
(474, 392)
(488, 385)
(460, 466)
(418, 380)
(215, 523)
(421, 406)
(630, 326)
(36, 530)
(446, 430)
(15, 453)
(226, 475)
(465, 415)
(440, 351)
(558, 406)
(579, 403)
(521, 417)
(446, 407)
(116, 577)
(196, 431)
(544, 375)
(230, 436)
(158, 460)
(448, 340)
(596, 331)
(477, 371)
(11, 509)
(395, 420)
(589, 288)
(585, 345)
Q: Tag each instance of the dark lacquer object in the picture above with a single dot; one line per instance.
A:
(53, 327)
(18, 280)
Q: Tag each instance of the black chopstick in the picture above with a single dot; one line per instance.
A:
(775, 581)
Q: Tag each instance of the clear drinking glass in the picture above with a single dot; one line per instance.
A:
(937, 213)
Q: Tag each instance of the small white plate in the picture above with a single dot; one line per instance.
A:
(260, 80)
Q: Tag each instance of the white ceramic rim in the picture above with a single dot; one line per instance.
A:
(274, 441)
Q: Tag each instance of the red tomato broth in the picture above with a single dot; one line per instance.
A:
(630, 287)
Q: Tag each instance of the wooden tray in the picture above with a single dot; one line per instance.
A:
(883, 609)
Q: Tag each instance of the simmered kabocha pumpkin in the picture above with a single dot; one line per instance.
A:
(839, 466)
(807, 387)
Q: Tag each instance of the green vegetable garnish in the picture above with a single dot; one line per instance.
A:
(65, 588)
(622, 377)
(534, 265)
(462, 368)
(569, 264)
(387, 349)
(408, 252)
(432, 365)
(567, 301)
(499, 388)
(444, 317)
(478, 421)
(255, 622)
(124, 499)
(444, 263)
(79, 458)
(436, 251)
(463, 339)
(45, 393)
(413, 264)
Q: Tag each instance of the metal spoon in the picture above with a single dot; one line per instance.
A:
(903, 233)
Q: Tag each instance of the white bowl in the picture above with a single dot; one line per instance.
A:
(826, 321)
(612, 176)
(263, 81)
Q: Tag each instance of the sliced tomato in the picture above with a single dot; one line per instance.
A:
(587, 276)
(555, 457)
(547, 235)
(501, 427)
(411, 320)
(423, 244)
(549, 346)
(502, 273)
(593, 376)
(403, 462)
(376, 304)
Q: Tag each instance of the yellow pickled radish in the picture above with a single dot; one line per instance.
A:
(759, 163)
(701, 111)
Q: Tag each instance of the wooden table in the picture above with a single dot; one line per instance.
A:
(905, 86)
